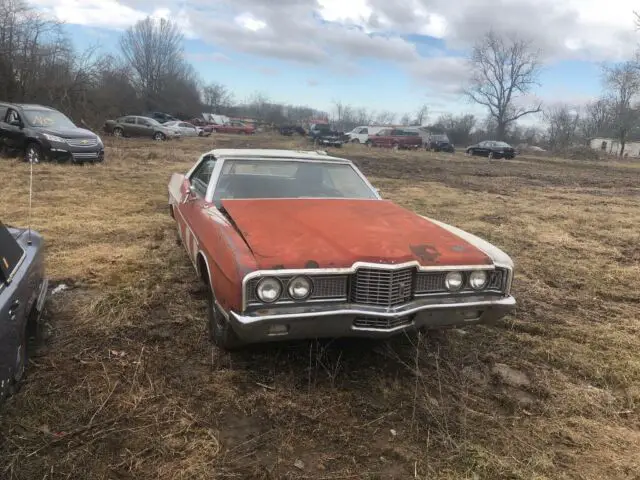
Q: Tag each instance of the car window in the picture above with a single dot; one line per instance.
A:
(12, 116)
(202, 175)
(130, 120)
(10, 254)
(289, 179)
(364, 130)
(144, 122)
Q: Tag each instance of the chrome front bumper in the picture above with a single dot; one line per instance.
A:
(348, 320)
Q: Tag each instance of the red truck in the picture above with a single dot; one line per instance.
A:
(234, 127)
(396, 138)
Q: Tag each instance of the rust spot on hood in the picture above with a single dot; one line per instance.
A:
(311, 264)
(426, 253)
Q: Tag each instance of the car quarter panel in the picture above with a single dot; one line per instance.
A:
(205, 231)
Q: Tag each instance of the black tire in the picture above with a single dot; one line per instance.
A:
(470, 153)
(368, 143)
(159, 136)
(220, 332)
(491, 156)
(118, 132)
(33, 153)
(355, 140)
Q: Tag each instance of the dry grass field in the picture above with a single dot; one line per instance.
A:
(127, 385)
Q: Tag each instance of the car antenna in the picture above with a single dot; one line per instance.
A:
(30, 196)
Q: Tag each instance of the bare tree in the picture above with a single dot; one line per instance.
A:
(217, 98)
(405, 120)
(622, 84)
(503, 70)
(457, 128)
(562, 125)
(422, 114)
(385, 117)
(153, 49)
(596, 119)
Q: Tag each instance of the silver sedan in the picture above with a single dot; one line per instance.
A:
(185, 128)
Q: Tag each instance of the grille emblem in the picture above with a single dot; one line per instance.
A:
(84, 142)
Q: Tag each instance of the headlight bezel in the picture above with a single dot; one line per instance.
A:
(484, 283)
(277, 282)
(447, 280)
(53, 138)
(309, 288)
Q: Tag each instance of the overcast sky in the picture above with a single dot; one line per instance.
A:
(379, 54)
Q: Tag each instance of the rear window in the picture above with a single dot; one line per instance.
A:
(10, 254)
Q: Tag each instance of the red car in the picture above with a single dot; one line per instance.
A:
(295, 245)
(234, 127)
(203, 124)
(396, 138)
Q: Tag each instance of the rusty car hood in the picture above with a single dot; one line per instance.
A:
(332, 233)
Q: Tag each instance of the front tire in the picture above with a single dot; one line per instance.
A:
(220, 332)
(491, 156)
(159, 136)
(118, 132)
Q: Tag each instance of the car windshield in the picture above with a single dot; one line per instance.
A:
(47, 119)
(290, 179)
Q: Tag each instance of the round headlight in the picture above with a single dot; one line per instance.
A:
(269, 289)
(299, 288)
(478, 279)
(454, 281)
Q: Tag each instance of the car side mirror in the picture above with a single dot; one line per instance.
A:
(16, 123)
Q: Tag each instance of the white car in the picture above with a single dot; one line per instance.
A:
(186, 129)
(361, 134)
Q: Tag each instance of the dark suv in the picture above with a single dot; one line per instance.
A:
(42, 133)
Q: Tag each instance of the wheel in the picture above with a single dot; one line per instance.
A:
(220, 332)
(368, 143)
(33, 153)
(118, 132)
(159, 136)
(469, 153)
(355, 140)
(491, 156)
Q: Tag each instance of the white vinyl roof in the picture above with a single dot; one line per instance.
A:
(273, 153)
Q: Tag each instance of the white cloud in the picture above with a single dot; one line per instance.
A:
(339, 33)
(95, 13)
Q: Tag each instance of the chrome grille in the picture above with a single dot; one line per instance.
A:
(82, 142)
(325, 287)
(85, 155)
(375, 286)
(380, 323)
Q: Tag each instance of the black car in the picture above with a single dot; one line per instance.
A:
(439, 143)
(23, 289)
(43, 133)
(160, 117)
(321, 134)
(492, 149)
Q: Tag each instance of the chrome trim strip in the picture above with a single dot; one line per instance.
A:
(351, 270)
(42, 296)
(18, 265)
(249, 320)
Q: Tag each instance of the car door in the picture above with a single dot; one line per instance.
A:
(128, 124)
(14, 300)
(363, 134)
(192, 202)
(144, 127)
(13, 130)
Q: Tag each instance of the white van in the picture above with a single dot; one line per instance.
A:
(361, 134)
